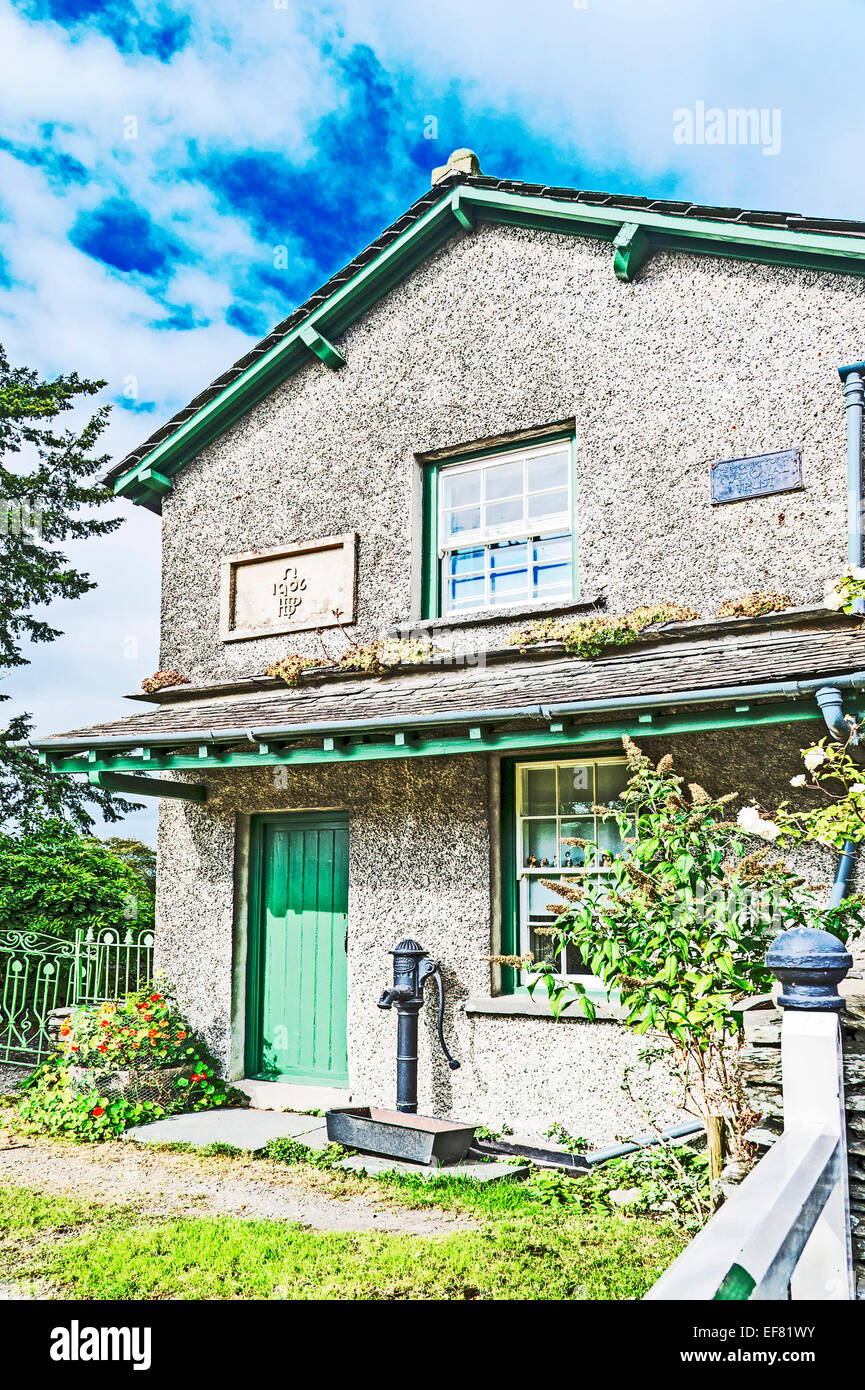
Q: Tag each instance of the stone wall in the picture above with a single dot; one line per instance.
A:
(508, 330)
(761, 1069)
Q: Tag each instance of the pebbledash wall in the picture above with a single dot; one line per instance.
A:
(501, 331)
(422, 861)
(506, 330)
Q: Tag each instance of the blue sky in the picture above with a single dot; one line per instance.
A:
(154, 158)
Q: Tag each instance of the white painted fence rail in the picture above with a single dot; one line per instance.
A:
(785, 1232)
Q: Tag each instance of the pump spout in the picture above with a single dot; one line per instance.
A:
(389, 997)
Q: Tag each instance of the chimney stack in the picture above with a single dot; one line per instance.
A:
(460, 162)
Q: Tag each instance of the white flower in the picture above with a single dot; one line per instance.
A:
(798, 781)
(832, 597)
(858, 787)
(750, 820)
(856, 572)
(814, 758)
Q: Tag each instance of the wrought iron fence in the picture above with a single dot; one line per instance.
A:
(110, 963)
(39, 973)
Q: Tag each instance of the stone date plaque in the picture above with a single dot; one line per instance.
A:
(289, 589)
(734, 480)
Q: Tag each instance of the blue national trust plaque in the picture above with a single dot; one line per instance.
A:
(734, 480)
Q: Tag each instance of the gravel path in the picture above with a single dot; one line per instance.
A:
(172, 1184)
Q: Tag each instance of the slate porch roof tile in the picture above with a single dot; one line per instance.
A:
(668, 668)
(792, 221)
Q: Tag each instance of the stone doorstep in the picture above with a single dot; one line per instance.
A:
(250, 1130)
(286, 1095)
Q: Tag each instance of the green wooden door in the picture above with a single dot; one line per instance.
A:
(298, 977)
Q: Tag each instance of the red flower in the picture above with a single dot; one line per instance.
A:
(103, 1047)
(155, 998)
(105, 1025)
(97, 1111)
(74, 1047)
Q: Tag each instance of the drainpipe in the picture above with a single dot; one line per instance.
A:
(831, 708)
(853, 379)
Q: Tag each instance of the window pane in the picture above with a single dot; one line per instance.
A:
(503, 513)
(540, 843)
(574, 963)
(504, 480)
(509, 587)
(549, 580)
(548, 504)
(576, 790)
(466, 593)
(550, 548)
(538, 791)
(579, 855)
(609, 841)
(467, 519)
(611, 782)
(509, 555)
(544, 948)
(461, 489)
(548, 471)
(464, 562)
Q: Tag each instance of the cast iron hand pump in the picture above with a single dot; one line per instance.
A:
(412, 968)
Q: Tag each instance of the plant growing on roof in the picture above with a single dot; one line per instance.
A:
(373, 658)
(679, 930)
(588, 637)
(754, 604)
(162, 680)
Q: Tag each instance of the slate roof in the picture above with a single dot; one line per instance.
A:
(789, 221)
(523, 682)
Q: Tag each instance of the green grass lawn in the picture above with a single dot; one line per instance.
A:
(519, 1249)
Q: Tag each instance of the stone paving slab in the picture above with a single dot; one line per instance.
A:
(245, 1129)
(478, 1172)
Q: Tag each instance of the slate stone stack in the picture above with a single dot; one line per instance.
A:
(761, 1071)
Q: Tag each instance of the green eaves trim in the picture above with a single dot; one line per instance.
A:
(465, 204)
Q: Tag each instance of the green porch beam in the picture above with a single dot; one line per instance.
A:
(335, 749)
(147, 786)
(631, 248)
(318, 344)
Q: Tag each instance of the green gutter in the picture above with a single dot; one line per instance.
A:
(465, 206)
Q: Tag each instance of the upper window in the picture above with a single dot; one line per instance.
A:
(505, 529)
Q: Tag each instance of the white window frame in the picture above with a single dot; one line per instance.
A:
(559, 524)
(525, 874)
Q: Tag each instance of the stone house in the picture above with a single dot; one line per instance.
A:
(520, 402)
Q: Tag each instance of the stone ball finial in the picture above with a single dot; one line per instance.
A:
(460, 162)
(809, 964)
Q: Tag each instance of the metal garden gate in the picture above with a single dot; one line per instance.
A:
(39, 972)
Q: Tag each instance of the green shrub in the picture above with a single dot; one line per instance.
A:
(288, 1150)
(662, 1181)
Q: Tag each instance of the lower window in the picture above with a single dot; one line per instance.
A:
(555, 803)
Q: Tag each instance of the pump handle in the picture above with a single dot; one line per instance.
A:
(437, 975)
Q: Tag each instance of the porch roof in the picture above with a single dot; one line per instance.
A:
(538, 699)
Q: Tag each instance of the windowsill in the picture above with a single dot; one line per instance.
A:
(522, 1005)
(486, 616)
